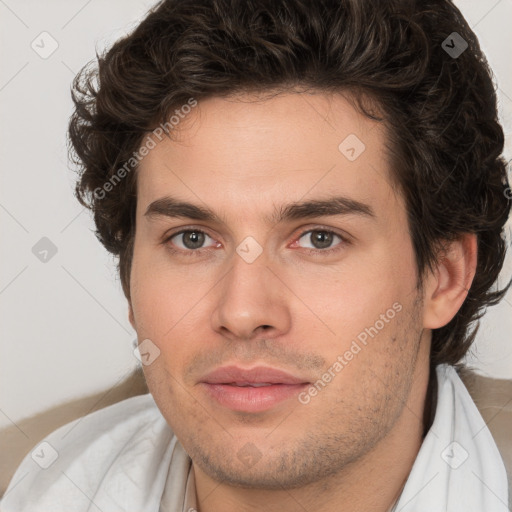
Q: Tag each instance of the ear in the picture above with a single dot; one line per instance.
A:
(446, 288)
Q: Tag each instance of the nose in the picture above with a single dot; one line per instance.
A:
(251, 301)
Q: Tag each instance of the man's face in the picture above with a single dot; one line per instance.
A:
(324, 289)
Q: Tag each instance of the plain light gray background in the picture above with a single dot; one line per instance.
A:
(64, 329)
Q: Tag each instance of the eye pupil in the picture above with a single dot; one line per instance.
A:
(324, 238)
(193, 239)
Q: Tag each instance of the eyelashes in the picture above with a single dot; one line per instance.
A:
(201, 237)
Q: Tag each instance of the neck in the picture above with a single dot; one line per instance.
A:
(372, 483)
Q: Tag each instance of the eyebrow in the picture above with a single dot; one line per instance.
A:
(338, 205)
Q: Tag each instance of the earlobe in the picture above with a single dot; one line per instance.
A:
(446, 289)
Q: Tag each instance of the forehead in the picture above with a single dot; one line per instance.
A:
(243, 153)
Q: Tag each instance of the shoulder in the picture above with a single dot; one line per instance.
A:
(493, 398)
(68, 467)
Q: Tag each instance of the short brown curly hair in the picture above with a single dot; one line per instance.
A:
(440, 110)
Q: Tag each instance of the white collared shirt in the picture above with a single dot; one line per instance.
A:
(125, 458)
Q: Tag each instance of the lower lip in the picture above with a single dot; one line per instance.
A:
(252, 399)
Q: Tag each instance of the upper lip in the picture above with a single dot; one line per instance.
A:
(258, 374)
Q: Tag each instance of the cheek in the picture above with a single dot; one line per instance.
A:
(168, 306)
(344, 300)
(159, 296)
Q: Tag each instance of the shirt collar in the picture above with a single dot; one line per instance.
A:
(458, 467)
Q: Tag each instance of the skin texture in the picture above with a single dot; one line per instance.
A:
(356, 440)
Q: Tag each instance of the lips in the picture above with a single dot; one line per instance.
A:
(257, 377)
(250, 384)
(251, 390)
